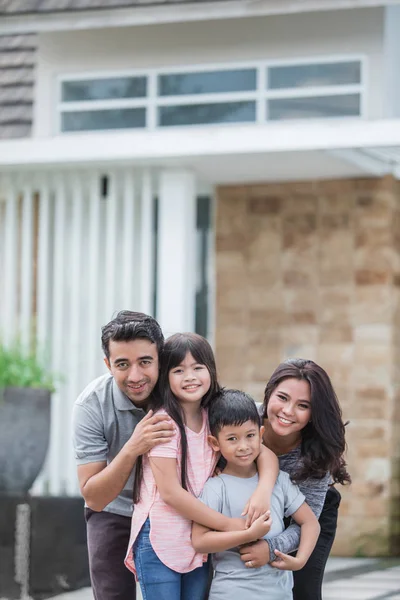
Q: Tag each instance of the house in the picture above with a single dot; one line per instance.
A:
(229, 166)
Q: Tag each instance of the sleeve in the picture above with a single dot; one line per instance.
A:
(293, 496)
(88, 437)
(314, 491)
(212, 495)
(167, 449)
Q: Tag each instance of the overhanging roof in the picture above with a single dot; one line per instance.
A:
(223, 154)
(21, 16)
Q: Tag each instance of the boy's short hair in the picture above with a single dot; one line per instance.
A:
(232, 407)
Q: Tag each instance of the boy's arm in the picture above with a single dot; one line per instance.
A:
(260, 500)
(173, 494)
(204, 540)
(309, 532)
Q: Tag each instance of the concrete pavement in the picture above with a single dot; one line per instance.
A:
(345, 579)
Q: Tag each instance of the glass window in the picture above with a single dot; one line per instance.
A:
(207, 82)
(104, 89)
(314, 107)
(300, 76)
(123, 118)
(202, 114)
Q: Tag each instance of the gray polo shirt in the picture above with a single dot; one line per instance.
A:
(103, 421)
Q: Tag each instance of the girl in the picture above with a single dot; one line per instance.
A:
(304, 427)
(160, 551)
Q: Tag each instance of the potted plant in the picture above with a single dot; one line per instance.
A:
(25, 393)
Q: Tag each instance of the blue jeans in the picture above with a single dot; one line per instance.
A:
(159, 582)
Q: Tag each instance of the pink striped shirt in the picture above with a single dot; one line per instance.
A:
(170, 533)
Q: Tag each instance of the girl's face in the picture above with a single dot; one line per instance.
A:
(189, 381)
(289, 407)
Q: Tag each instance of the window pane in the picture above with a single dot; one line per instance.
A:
(103, 119)
(104, 89)
(202, 114)
(315, 107)
(314, 75)
(211, 82)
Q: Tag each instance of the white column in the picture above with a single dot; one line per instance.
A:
(176, 277)
(391, 51)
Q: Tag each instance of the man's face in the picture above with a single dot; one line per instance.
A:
(134, 366)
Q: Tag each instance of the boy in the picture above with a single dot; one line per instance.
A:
(236, 433)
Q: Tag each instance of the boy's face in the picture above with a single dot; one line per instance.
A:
(239, 444)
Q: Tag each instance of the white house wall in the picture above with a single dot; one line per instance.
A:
(266, 38)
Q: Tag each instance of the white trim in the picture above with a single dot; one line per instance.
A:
(260, 94)
(157, 14)
(159, 147)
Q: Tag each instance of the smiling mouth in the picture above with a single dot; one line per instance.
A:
(246, 456)
(137, 388)
(190, 388)
(285, 421)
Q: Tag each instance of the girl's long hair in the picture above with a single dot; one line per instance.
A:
(173, 354)
(323, 438)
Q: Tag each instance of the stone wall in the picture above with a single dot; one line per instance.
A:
(312, 269)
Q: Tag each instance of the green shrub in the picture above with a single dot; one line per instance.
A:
(18, 369)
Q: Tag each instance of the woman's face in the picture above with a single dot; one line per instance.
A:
(289, 407)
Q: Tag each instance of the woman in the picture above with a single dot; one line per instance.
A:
(304, 427)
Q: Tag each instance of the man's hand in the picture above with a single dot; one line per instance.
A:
(255, 555)
(255, 507)
(150, 431)
(285, 562)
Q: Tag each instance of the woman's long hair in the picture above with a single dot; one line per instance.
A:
(323, 438)
(173, 354)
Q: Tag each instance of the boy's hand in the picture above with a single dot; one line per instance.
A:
(255, 507)
(260, 526)
(286, 562)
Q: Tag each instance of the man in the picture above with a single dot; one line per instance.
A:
(110, 430)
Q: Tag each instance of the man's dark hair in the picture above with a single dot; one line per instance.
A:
(232, 407)
(128, 326)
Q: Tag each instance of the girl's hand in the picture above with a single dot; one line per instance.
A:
(286, 562)
(255, 555)
(260, 526)
(255, 507)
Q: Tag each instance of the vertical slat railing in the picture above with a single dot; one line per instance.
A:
(93, 279)
(147, 258)
(9, 320)
(111, 249)
(94, 256)
(129, 228)
(58, 347)
(26, 270)
(74, 339)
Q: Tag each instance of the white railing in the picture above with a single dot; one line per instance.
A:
(75, 247)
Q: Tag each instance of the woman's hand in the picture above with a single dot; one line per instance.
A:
(285, 562)
(255, 507)
(255, 555)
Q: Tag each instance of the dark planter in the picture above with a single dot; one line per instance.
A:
(24, 437)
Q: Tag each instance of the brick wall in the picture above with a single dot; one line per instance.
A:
(312, 269)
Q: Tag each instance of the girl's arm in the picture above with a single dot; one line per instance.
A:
(309, 532)
(264, 551)
(173, 494)
(204, 540)
(260, 500)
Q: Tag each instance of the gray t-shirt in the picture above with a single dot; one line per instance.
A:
(228, 495)
(103, 421)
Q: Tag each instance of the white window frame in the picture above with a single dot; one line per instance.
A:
(260, 95)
